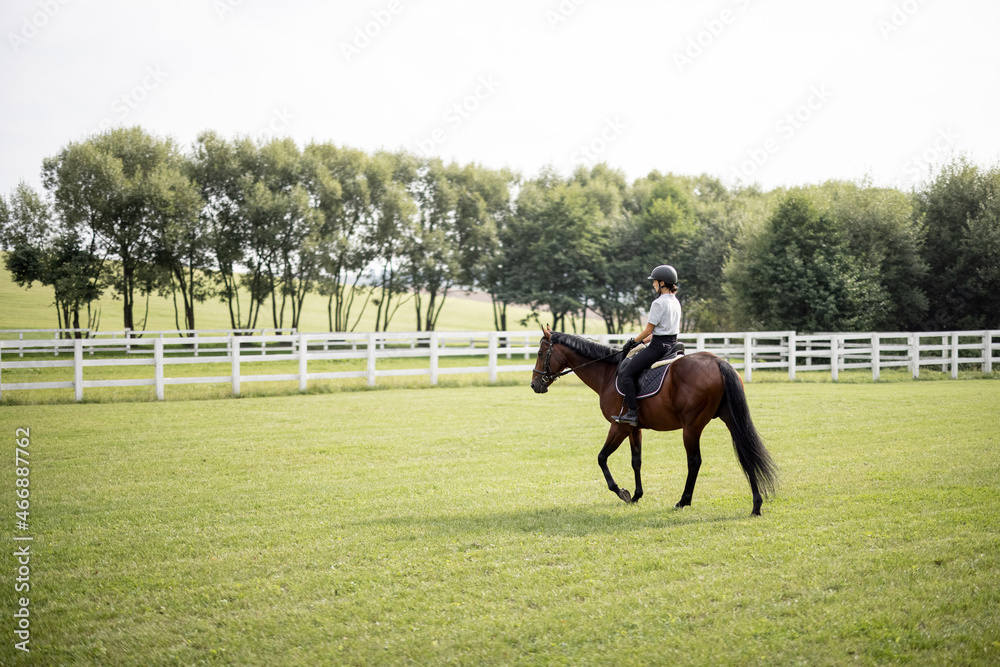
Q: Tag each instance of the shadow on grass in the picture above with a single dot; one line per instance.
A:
(570, 521)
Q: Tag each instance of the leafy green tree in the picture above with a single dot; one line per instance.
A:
(110, 184)
(884, 237)
(288, 229)
(557, 234)
(615, 294)
(982, 252)
(26, 218)
(180, 241)
(661, 227)
(959, 211)
(482, 212)
(391, 177)
(341, 190)
(5, 229)
(224, 172)
(610, 289)
(431, 250)
(798, 273)
(721, 214)
(41, 251)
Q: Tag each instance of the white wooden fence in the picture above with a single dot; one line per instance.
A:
(748, 351)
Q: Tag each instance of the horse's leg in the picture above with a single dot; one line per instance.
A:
(692, 444)
(615, 438)
(635, 440)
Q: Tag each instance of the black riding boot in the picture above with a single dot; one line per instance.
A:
(631, 417)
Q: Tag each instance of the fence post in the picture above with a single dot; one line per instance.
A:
(371, 359)
(747, 357)
(303, 349)
(876, 356)
(78, 368)
(793, 349)
(988, 352)
(234, 352)
(128, 345)
(954, 356)
(834, 358)
(434, 357)
(158, 367)
(915, 355)
(944, 361)
(493, 357)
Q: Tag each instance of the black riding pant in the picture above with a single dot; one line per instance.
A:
(642, 360)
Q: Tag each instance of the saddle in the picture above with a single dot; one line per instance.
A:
(650, 381)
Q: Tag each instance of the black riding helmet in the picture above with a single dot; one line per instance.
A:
(665, 274)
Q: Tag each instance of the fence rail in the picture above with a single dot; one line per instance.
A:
(747, 351)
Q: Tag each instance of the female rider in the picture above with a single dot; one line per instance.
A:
(663, 325)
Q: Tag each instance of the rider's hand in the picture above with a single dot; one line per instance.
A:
(629, 344)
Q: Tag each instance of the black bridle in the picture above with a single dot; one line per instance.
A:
(548, 377)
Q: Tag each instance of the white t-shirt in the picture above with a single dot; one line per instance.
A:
(665, 315)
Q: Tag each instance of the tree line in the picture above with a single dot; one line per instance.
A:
(262, 226)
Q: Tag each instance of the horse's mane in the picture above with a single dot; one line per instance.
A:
(588, 348)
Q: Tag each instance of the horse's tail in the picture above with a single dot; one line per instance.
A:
(750, 450)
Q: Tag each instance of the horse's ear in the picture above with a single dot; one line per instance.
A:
(547, 332)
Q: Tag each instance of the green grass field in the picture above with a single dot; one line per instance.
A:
(473, 526)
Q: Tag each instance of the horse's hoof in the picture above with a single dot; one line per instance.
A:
(636, 499)
(625, 495)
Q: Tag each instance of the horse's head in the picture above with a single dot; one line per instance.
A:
(548, 364)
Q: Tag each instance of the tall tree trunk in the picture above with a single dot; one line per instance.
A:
(127, 299)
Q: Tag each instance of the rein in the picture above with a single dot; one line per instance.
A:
(548, 377)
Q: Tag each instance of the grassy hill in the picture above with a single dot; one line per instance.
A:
(33, 309)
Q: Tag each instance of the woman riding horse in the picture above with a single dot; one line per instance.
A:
(662, 327)
(697, 388)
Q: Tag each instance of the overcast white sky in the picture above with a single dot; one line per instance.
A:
(779, 92)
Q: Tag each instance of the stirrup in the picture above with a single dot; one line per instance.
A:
(631, 417)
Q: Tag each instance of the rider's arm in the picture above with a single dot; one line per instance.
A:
(646, 333)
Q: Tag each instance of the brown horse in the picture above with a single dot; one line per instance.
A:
(698, 388)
